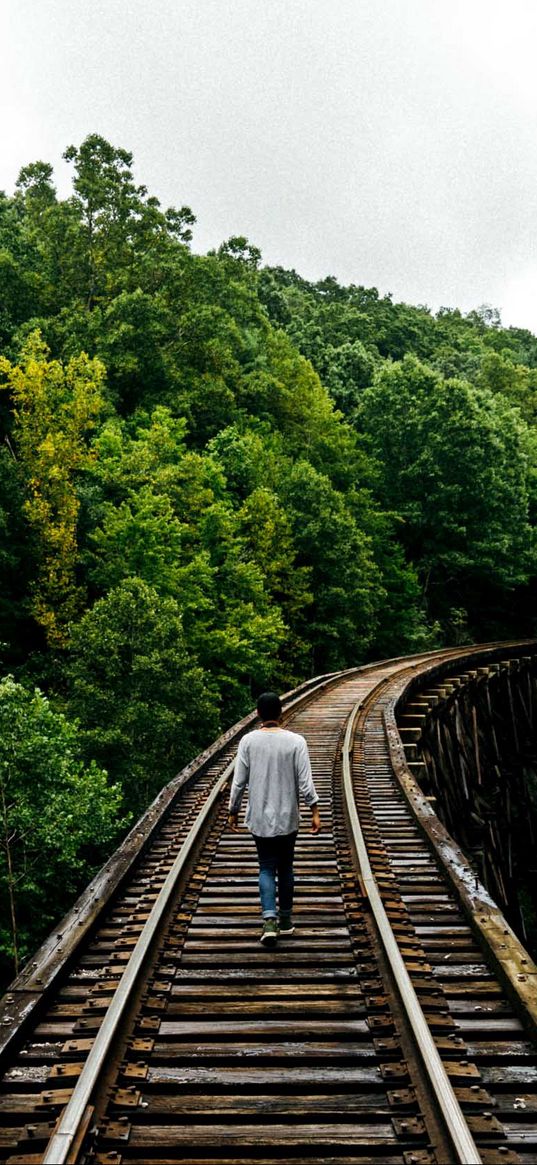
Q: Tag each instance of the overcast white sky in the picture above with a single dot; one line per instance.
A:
(387, 142)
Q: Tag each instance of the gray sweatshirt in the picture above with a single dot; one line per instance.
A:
(276, 767)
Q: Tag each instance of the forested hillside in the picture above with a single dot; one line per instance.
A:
(215, 477)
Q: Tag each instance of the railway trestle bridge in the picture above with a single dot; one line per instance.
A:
(397, 1025)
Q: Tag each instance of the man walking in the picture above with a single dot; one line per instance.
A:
(275, 765)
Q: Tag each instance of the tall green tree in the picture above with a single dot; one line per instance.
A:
(123, 229)
(345, 581)
(17, 562)
(160, 512)
(54, 410)
(58, 817)
(455, 465)
(144, 705)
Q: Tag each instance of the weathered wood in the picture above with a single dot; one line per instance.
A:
(307, 1157)
(300, 1049)
(244, 1136)
(263, 1029)
(315, 1008)
(273, 1075)
(306, 990)
(360, 1104)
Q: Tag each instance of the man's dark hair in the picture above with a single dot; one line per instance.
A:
(269, 706)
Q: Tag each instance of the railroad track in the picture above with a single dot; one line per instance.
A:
(154, 1028)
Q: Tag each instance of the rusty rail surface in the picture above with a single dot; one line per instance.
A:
(154, 1028)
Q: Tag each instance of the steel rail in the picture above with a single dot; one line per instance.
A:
(62, 1139)
(460, 1135)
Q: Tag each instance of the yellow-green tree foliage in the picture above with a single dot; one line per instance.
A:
(55, 408)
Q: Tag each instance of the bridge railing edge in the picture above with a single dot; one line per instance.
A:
(499, 943)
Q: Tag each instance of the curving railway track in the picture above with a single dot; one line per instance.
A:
(154, 1028)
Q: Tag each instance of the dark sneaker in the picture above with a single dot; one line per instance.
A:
(286, 924)
(269, 936)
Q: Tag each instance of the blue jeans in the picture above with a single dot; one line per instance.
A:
(275, 856)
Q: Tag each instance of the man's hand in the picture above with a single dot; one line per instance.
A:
(233, 822)
(315, 820)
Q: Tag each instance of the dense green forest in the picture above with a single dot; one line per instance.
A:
(216, 476)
